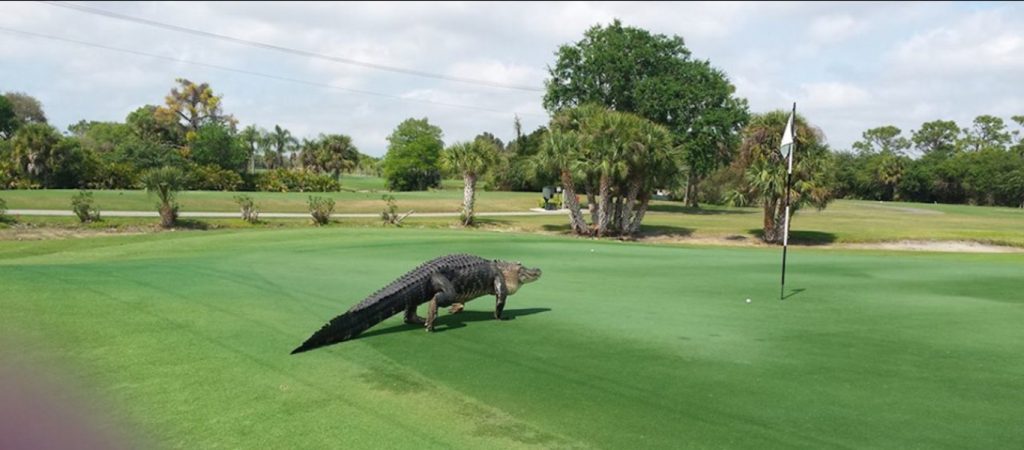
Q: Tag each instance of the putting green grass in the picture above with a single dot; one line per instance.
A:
(183, 338)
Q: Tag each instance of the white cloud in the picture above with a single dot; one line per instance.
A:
(850, 67)
(834, 28)
(980, 43)
(834, 95)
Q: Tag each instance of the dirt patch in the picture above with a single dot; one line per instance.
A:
(730, 241)
(936, 246)
(907, 245)
(23, 233)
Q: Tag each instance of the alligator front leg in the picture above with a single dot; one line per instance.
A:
(444, 295)
(500, 294)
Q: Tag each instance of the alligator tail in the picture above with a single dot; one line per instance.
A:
(360, 318)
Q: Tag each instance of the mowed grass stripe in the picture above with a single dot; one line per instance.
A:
(623, 346)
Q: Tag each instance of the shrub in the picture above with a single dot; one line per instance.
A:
(82, 205)
(213, 178)
(165, 182)
(553, 204)
(250, 212)
(321, 208)
(284, 180)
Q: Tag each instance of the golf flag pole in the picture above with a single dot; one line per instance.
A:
(787, 148)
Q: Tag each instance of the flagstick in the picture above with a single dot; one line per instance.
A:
(785, 227)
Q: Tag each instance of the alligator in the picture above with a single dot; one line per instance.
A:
(450, 281)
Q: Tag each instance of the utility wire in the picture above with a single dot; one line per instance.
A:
(259, 74)
(337, 59)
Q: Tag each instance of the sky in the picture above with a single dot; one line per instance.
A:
(848, 66)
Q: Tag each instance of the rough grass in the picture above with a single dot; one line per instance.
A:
(183, 338)
(844, 221)
(449, 200)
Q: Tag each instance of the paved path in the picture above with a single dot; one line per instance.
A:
(269, 215)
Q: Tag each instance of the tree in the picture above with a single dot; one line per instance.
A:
(36, 154)
(280, 144)
(214, 144)
(987, 132)
(559, 154)
(253, 140)
(9, 122)
(470, 159)
(884, 139)
(514, 169)
(193, 105)
(159, 130)
(764, 169)
(411, 162)
(936, 137)
(624, 155)
(629, 69)
(331, 153)
(165, 182)
(26, 108)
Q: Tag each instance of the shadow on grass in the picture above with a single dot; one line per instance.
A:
(679, 208)
(192, 224)
(480, 222)
(793, 292)
(646, 231)
(452, 321)
(803, 237)
(664, 231)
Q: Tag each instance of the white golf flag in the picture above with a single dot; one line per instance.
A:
(787, 143)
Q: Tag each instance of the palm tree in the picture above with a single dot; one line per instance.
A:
(471, 159)
(335, 153)
(890, 171)
(764, 170)
(252, 138)
(165, 182)
(560, 153)
(281, 143)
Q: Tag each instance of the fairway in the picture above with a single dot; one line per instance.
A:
(183, 337)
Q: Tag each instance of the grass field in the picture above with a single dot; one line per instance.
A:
(184, 338)
(449, 200)
(844, 221)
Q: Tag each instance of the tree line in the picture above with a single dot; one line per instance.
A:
(632, 113)
(189, 132)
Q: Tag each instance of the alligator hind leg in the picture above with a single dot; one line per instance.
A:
(411, 317)
(444, 295)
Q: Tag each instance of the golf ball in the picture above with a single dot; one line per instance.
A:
(748, 300)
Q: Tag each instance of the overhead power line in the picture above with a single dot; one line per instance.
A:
(337, 59)
(260, 74)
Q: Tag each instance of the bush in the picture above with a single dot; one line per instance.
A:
(250, 212)
(321, 208)
(284, 180)
(165, 182)
(553, 204)
(116, 175)
(213, 178)
(82, 205)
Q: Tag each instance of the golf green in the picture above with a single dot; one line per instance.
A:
(183, 339)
